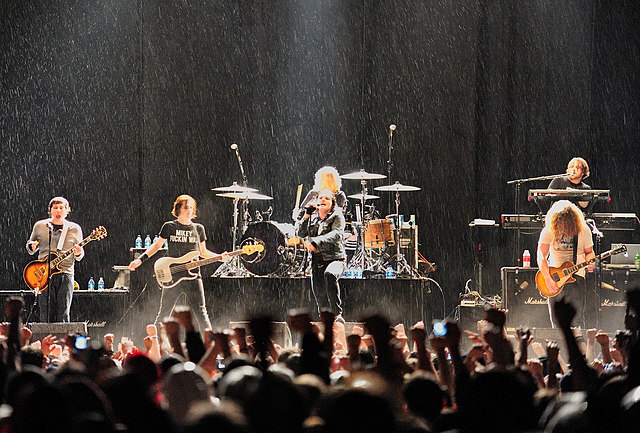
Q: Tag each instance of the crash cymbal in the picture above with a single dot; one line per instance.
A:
(245, 196)
(366, 197)
(397, 187)
(362, 175)
(234, 187)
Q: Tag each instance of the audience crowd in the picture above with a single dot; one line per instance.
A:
(374, 378)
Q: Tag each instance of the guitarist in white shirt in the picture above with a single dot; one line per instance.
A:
(565, 223)
(183, 236)
(56, 234)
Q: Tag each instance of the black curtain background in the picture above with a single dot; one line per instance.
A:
(120, 106)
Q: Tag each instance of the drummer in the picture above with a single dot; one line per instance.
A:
(325, 178)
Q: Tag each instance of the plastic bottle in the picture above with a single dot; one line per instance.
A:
(147, 241)
(359, 272)
(155, 238)
(638, 260)
(139, 242)
(526, 259)
(91, 285)
(101, 284)
(390, 273)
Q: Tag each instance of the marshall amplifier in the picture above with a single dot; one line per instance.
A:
(521, 297)
(611, 296)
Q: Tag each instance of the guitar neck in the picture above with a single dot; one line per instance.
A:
(63, 255)
(575, 268)
(206, 261)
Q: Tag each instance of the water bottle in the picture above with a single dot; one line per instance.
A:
(359, 272)
(147, 241)
(390, 273)
(155, 238)
(91, 285)
(526, 259)
(101, 284)
(166, 245)
(638, 260)
(139, 242)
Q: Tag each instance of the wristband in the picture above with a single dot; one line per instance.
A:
(143, 257)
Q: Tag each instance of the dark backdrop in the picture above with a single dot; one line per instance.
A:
(120, 106)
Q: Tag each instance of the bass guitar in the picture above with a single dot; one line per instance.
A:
(564, 274)
(36, 274)
(169, 271)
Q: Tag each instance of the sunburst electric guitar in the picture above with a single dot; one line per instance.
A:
(36, 273)
(170, 271)
(564, 274)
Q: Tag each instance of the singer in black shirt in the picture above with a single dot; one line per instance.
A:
(577, 171)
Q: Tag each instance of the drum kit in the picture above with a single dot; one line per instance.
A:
(284, 258)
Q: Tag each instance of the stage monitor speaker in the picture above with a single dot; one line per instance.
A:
(58, 329)
(281, 332)
(521, 297)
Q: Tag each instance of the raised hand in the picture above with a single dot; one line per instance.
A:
(564, 312)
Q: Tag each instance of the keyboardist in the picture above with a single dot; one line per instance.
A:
(577, 171)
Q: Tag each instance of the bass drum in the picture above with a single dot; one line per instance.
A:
(276, 258)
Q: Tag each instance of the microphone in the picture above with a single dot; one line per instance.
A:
(521, 288)
(570, 172)
(392, 128)
(234, 146)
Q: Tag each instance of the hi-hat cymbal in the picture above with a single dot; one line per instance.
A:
(362, 175)
(234, 187)
(366, 197)
(245, 196)
(397, 187)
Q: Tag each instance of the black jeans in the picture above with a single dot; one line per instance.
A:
(191, 292)
(325, 286)
(55, 302)
(576, 293)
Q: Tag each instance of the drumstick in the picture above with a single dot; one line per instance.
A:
(298, 196)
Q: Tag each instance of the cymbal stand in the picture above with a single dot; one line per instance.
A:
(233, 266)
(402, 266)
(361, 258)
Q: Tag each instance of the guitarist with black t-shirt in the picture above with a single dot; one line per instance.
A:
(183, 236)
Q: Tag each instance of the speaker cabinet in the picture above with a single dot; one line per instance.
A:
(60, 330)
(610, 296)
(521, 297)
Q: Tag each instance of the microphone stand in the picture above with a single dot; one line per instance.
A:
(598, 271)
(245, 182)
(389, 163)
(518, 183)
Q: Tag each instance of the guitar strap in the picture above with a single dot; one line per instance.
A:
(63, 235)
(575, 250)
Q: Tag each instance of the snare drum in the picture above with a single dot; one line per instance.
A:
(277, 258)
(379, 234)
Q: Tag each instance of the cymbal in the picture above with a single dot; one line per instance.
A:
(362, 175)
(245, 196)
(366, 197)
(397, 187)
(234, 187)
